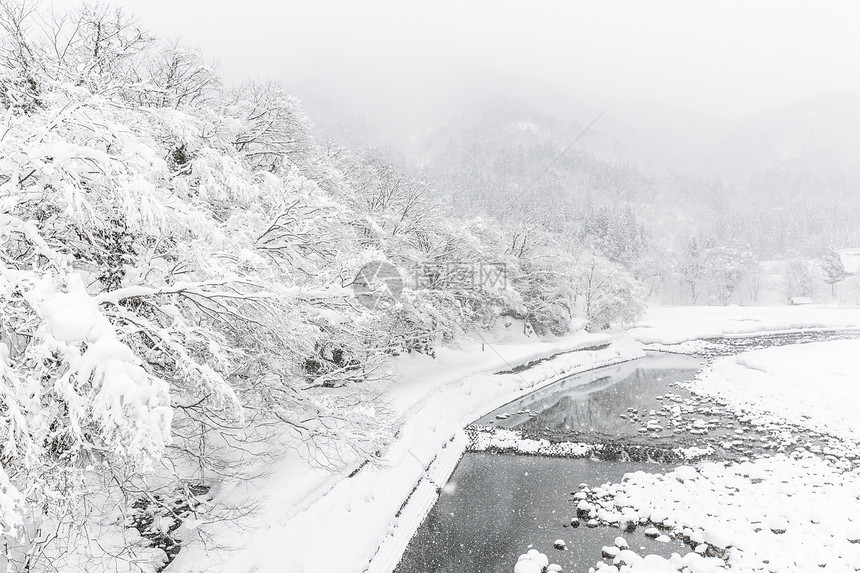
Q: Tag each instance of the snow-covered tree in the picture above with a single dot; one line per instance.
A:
(692, 267)
(610, 295)
(798, 278)
(723, 269)
(831, 266)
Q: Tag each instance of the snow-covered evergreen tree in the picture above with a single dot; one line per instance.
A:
(691, 267)
(832, 267)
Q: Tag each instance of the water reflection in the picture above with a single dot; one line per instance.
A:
(593, 403)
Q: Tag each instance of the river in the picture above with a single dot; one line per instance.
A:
(640, 415)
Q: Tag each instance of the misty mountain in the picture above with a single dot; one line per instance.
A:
(781, 182)
(660, 137)
(515, 144)
(807, 151)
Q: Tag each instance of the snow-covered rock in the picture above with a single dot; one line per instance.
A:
(532, 561)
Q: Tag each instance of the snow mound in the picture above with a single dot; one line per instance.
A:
(534, 562)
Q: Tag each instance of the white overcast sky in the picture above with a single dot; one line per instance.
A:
(728, 58)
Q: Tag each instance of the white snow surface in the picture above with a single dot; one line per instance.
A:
(815, 385)
(312, 521)
(673, 325)
(783, 513)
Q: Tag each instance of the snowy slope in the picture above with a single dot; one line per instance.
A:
(812, 145)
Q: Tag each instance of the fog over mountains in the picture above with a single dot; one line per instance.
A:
(803, 158)
(812, 133)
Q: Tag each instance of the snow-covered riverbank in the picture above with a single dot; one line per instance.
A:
(795, 512)
(815, 386)
(310, 520)
(785, 513)
(673, 325)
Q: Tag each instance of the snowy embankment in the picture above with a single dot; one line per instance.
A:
(815, 386)
(795, 512)
(674, 325)
(309, 520)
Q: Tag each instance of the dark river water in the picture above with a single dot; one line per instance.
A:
(497, 506)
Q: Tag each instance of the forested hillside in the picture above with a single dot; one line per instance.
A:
(177, 259)
(696, 220)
